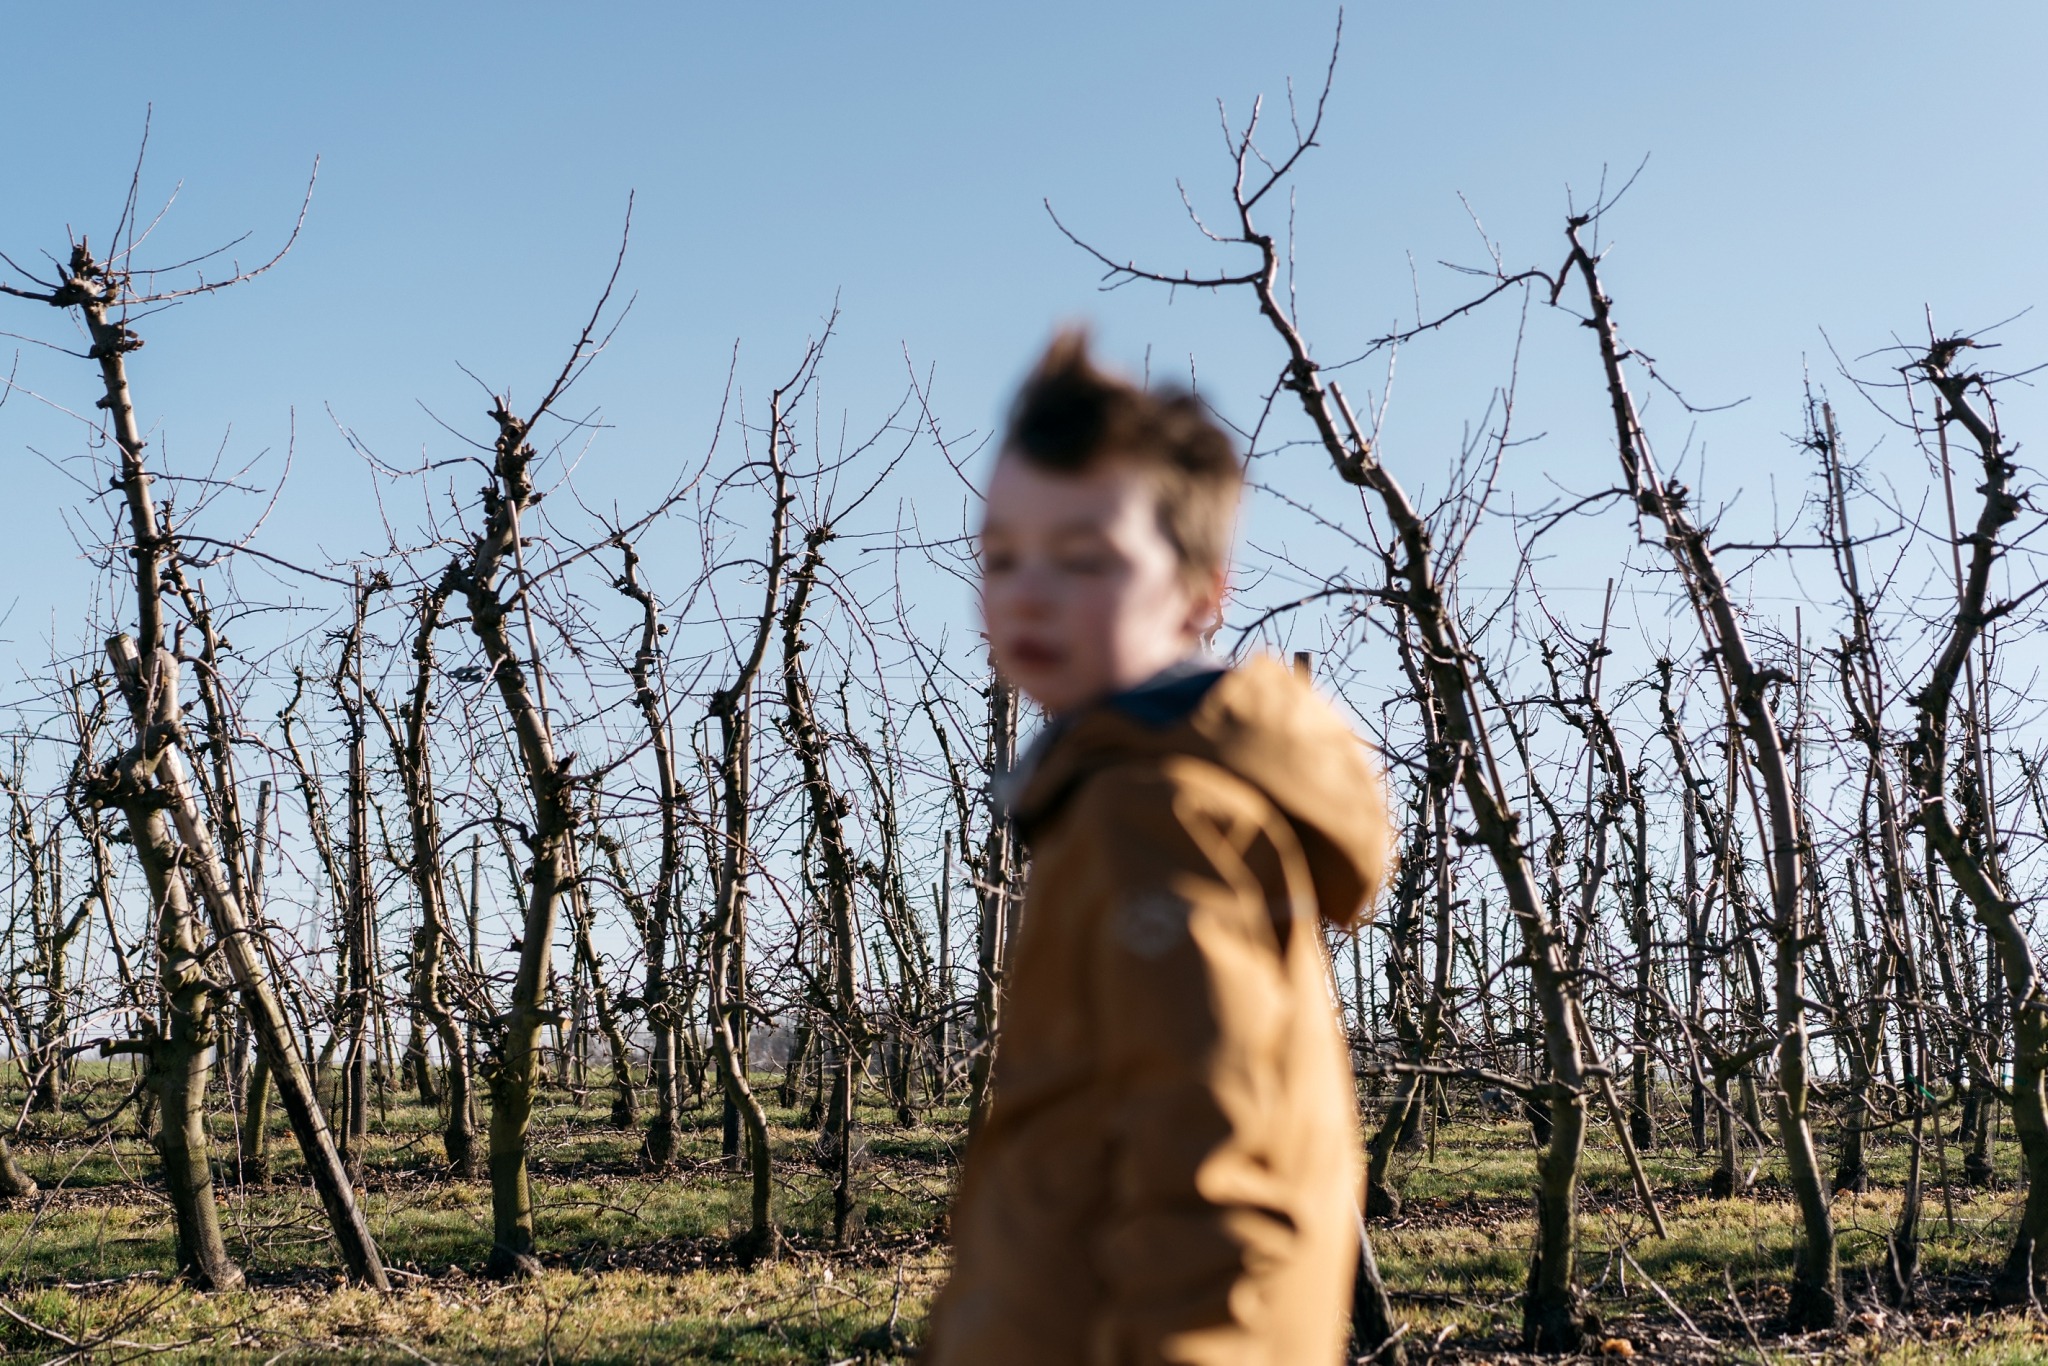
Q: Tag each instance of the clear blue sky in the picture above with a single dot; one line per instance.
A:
(1813, 164)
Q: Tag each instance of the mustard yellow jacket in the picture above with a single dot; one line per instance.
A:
(1169, 1169)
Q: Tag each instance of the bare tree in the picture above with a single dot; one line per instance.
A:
(1960, 392)
(1816, 1292)
(435, 935)
(149, 779)
(732, 707)
(1552, 1316)
(659, 933)
(491, 579)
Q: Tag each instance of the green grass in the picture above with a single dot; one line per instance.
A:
(639, 1268)
(1456, 1259)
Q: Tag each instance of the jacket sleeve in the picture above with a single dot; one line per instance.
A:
(1191, 998)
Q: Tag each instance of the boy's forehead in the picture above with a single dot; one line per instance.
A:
(1021, 493)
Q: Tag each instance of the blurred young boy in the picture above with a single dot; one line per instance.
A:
(1170, 1166)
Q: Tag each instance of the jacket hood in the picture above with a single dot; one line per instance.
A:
(1258, 721)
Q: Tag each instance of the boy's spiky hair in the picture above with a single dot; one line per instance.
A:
(1071, 416)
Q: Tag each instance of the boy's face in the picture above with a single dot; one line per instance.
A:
(1081, 592)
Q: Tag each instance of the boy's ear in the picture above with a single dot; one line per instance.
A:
(1212, 588)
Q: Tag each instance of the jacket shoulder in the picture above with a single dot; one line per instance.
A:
(1139, 828)
(1146, 787)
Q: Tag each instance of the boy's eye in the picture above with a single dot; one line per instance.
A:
(1085, 562)
(997, 561)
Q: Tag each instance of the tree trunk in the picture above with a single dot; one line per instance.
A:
(743, 1113)
(241, 944)
(849, 1036)
(1695, 945)
(2024, 1277)
(1642, 1123)
(154, 705)
(179, 1061)
(15, 1184)
(494, 556)
(799, 1055)
(995, 872)
(663, 1129)
(1727, 1175)
(732, 707)
(625, 1106)
(1429, 848)
(180, 1066)
(1815, 1292)
(1372, 1314)
(357, 949)
(942, 1016)
(417, 1066)
(255, 1134)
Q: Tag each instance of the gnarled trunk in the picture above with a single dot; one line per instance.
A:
(2024, 1277)
(659, 930)
(1815, 1291)
(434, 933)
(495, 555)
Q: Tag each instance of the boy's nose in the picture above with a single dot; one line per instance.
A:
(1033, 592)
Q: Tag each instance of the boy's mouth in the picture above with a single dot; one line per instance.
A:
(1034, 654)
